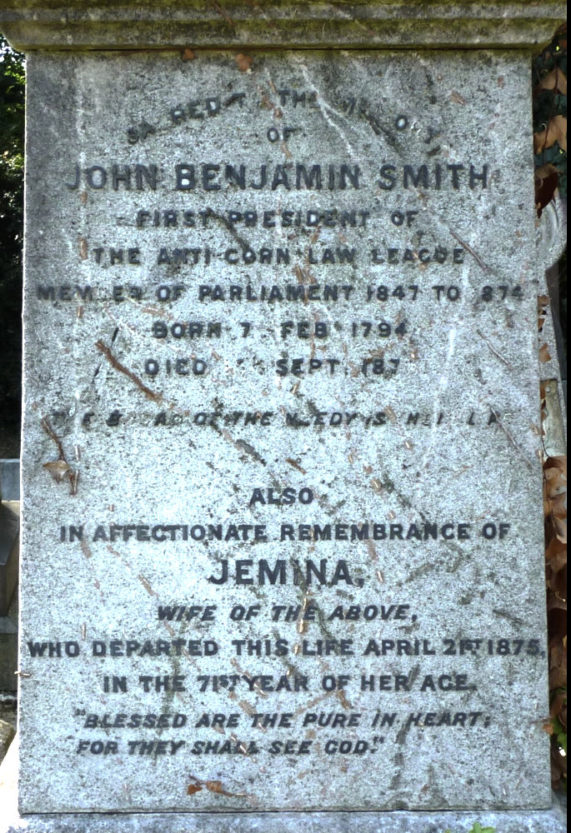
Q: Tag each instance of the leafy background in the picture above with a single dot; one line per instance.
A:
(11, 235)
(550, 148)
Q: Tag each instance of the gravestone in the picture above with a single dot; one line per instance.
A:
(282, 518)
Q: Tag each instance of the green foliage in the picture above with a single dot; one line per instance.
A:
(11, 233)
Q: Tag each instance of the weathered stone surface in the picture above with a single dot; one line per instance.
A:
(105, 24)
(251, 274)
(552, 820)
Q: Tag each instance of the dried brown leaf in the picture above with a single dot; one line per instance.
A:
(558, 704)
(556, 555)
(556, 480)
(558, 653)
(556, 131)
(558, 678)
(58, 469)
(561, 527)
(555, 548)
(559, 462)
(546, 182)
(211, 786)
(554, 496)
(558, 505)
(555, 602)
(558, 657)
(554, 80)
(560, 587)
(544, 354)
(216, 787)
(544, 172)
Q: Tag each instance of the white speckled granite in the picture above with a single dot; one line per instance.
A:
(552, 820)
(282, 529)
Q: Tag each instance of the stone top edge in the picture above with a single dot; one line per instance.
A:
(108, 24)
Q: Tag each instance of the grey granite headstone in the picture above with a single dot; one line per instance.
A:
(282, 518)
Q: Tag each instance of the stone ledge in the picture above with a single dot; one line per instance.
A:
(53, 24)
(401, 821)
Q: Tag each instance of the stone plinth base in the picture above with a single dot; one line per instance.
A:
(526, 821)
